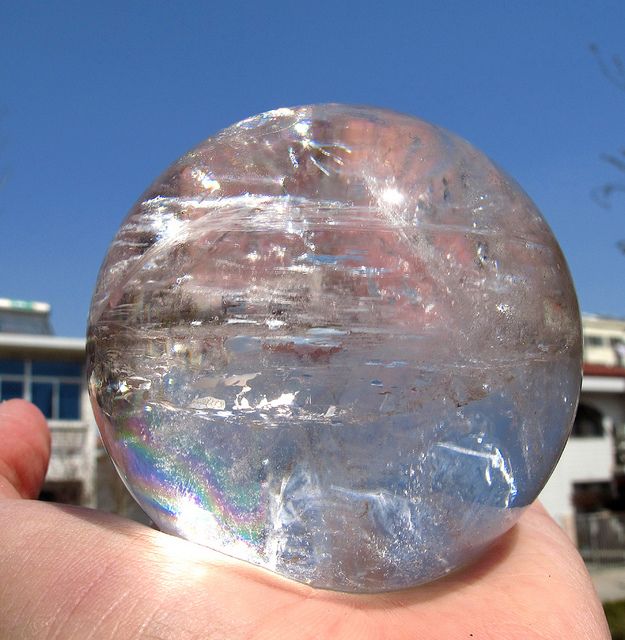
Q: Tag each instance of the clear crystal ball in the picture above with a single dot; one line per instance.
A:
(338, 343)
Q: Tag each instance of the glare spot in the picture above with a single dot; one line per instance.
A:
(285, 400)
(193, 521)
(302, 128)
(206, 181)
(281, 112)
(392, 196)
(272, 323)
(168, 227)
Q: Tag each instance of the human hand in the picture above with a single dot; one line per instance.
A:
(77, 574)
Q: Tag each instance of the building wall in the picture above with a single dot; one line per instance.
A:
(49, 371)
(588, 460)
(604, 340)
(583, 460)
(73, 459)
(112, 495)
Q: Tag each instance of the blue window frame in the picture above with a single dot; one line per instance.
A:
(69, 401)
(42, 394)
(11, 367)
(11, 389)
(52, 385)
(56, 368)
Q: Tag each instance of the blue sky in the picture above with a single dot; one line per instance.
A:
(99, 97)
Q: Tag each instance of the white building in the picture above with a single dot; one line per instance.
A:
(586, 480)
(48, 370)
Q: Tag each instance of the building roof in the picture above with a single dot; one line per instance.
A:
(603, 379)
(595, 321)
(42, 343)
(591, 369)
(23, 316)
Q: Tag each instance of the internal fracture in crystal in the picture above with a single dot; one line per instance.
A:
(338, 343)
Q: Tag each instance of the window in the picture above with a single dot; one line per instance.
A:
(52, 385)
(54, 368)
(594, 341)
(592, 496)
(41, 395)
(67, 492)
(11, 389)
(69, 401)
(588, 423)
(11, 367)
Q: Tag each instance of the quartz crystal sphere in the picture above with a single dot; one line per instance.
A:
(338, 343)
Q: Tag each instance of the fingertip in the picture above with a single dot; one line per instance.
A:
(26, 418)
(24, 449)
(23, 409)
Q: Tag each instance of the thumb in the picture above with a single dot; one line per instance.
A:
(24, 449)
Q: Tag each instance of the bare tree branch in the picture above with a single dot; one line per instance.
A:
(615, 161)
(614, 70)
(603, 195)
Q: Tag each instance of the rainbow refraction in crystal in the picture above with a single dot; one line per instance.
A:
(336, 342)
